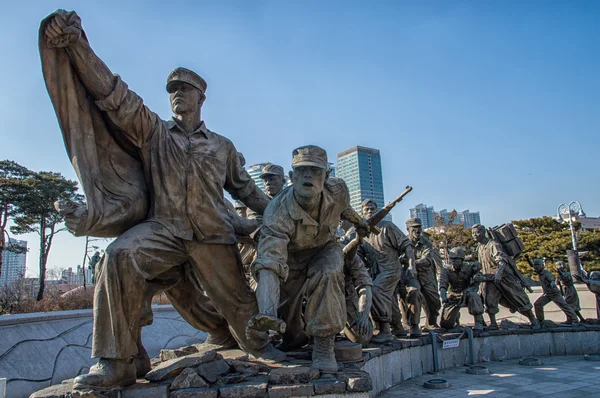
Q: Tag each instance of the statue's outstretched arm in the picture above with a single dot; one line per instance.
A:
(124, 107)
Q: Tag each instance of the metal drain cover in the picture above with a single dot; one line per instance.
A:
(436, 384)
(530, 362)
(478, 370)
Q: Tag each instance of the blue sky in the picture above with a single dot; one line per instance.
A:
(489, 106)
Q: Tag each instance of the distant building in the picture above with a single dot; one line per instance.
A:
(424, 213)
(360, 168)
(13, 264)
(466, 218)
(331, 169)
(69, 277)
(255, 171)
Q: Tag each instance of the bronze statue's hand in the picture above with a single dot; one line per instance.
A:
(363, 324)
(411, 272)
(59, 33)
(362, 228)
(75, 215)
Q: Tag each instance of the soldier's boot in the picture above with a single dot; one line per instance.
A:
(535, 324)
(107, 374)
(493, 323)
(323, 355)
(385, 335)
(226, 342)
(478, 322)
(581, 318)
(415, 331)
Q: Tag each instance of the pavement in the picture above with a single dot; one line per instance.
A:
(558, 376)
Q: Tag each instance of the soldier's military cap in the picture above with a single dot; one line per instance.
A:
(187, 76)
(413, 222)
(309, 155)
(538, 261)
(456, 252)
(272, 169)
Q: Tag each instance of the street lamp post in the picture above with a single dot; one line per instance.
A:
(568, 211)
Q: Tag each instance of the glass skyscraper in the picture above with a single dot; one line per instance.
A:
(424, 213)
(13, 264)
(360, 168)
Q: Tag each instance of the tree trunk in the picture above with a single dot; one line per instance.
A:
(40, 294)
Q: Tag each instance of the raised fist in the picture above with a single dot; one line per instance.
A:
(60, 31)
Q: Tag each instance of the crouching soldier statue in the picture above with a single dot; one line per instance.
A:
(299, 263)
(459, 287)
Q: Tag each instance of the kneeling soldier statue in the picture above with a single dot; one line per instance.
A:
(459, 286)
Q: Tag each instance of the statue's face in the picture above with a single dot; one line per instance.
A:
(414, 233)
(456, 262)
(478, 234)
(308, 181)
(273, 184)
(538, 267)
(184, 98)
(369, 209)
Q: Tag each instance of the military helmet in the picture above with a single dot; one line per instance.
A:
(456, 252)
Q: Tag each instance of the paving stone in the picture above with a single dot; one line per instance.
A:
(211, 371)
(234, 355)
(188, 378)
(360, 383)
(250, 389)
(56, 391)
(173, 367)
(165, 355)
(146, 390)
(249, 368)
(329, 386)
(296, 390)
(195, 393)
(296, 375)
(232, 378)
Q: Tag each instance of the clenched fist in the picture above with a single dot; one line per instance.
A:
(60, 31)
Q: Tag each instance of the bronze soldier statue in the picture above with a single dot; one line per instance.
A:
(390, 244)
(459, 287)
(551, 293)
(359, 299)
(299, 262)
(501, 286)
(180, 235)
(566, 284)
(427, 262)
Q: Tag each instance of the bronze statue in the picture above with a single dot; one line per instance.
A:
(501, 285)
(158, 186)
(566, 284)
(428, 260)
(359, 299)
(551, 293)
(299, 263)
(390, 244)
(459, 287)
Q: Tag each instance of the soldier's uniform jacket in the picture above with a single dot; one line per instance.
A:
(389, 245)
(356, 275)
(490, 254)
(456, 282)
(287, 228)
(548, 283)
(424, 250)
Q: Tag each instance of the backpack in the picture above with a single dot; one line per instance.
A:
(506, 235)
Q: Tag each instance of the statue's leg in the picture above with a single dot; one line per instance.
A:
(325, 312)
(384, 300)
(513, 292)
(190, 301)
(492, 296)
(431, 298)
(539, 305)
(566, 308)
(450, 313)
(414, 303)
(138, 255)
(291, 311)
(221, 274)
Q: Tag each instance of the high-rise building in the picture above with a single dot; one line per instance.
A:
(13, 263)
(360, 168)
(424, 213)
(331, 169)
(465, 218)
(255, 171)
